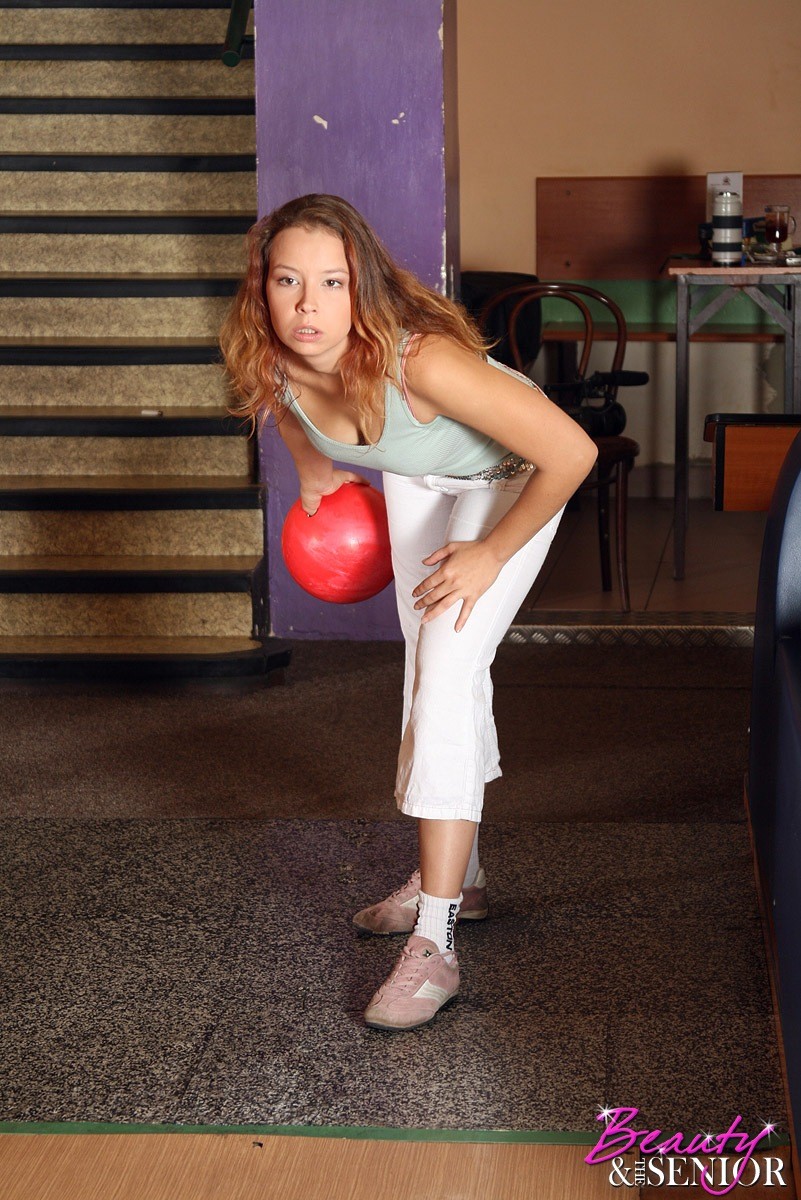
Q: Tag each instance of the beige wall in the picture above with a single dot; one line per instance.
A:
(615, 87)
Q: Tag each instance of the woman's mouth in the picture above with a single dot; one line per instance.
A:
(306, 333)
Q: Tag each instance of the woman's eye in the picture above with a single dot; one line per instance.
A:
(286, 279)
(334, 283)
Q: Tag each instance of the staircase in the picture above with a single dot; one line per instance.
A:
(131, 520)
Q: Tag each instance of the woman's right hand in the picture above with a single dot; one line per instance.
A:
(312, 494)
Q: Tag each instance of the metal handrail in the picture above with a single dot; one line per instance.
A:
(235, 35)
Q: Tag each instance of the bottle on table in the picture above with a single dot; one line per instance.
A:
(727, 230)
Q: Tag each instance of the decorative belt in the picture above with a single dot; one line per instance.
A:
(513, 464)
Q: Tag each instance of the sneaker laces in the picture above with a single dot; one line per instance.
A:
(410, 883)
(410, 961)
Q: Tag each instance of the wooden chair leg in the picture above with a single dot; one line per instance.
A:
(621, 506)
(603, 532)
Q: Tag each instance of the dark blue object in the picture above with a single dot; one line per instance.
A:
(774, 773)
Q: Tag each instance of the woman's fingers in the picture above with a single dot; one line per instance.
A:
(438, 555)
(438, 577)
(434, 595)
(464, 613)
(466, 571)
(311, 501)
(441, 606)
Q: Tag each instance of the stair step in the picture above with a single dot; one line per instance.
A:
(215, 193)
(117, 286)
(30, 573)
(125, 222)
(150, 195)
(126, 492)
(116, 52)
(173, 531)
(112, 254)
(19, 421)
(164, 106)
(124, 457)
(110, 614)
(95, 133)
(145, 317)
(69, 351)
(115, 658)
(47, 388)
(128, 162)
(117, 3)
(164, 79)
(146, 122)
(115, 25)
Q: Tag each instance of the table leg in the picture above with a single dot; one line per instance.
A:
(681, 464)
(792, 384)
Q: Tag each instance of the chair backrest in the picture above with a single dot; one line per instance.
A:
(482, 290)
(527, 300)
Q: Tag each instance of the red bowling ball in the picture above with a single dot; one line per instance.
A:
(342, 553)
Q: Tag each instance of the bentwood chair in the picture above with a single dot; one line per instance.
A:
(592, 400)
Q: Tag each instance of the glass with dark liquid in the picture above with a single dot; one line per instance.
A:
(777, 228)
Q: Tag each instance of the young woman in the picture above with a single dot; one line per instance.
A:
(358, 362)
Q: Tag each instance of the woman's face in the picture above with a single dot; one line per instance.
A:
(308, 295)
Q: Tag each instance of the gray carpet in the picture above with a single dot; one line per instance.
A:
(586, 734)
(161, 969)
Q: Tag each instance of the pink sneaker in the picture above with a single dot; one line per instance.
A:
(398, 913)
(421, 982)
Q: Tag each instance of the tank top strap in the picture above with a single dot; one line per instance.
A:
(407, 344)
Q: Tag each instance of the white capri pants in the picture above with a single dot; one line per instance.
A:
(449, 747)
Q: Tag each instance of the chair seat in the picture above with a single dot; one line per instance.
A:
(615, 449)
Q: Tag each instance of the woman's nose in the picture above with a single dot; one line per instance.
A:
(306, 302)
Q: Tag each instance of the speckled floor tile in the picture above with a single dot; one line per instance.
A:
(696, 1069)
(114, 870)
(303, 1061)
(206, 971)
(104, 1019)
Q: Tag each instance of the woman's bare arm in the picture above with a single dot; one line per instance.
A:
(316, 472)
(446, 380)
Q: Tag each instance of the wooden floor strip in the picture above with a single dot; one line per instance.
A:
(247, 1167)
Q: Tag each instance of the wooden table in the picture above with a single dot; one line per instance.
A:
(775, 291)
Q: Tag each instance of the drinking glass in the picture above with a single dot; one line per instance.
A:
(778, 224)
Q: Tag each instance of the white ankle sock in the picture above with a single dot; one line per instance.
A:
(436, 917)
(472, 865)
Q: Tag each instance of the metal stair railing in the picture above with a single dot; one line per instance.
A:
(235, 37)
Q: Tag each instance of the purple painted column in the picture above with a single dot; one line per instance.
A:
(353, 97)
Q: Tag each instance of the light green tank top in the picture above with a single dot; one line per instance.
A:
(411, 447)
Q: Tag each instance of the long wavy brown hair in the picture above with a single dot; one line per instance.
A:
(385, 299)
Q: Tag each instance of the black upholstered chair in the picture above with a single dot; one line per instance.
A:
(521, 306)
(774, 772)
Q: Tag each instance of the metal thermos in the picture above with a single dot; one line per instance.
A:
(727, 229)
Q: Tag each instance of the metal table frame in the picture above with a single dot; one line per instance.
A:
(775, 290)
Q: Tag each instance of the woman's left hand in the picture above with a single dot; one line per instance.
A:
(467, 570)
